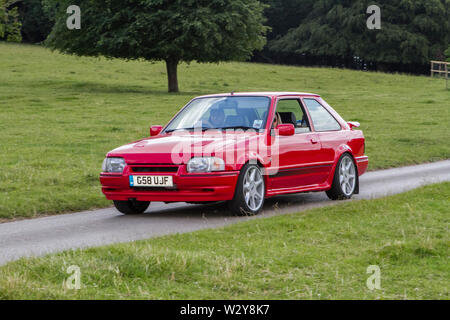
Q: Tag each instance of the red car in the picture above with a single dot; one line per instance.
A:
(240, 148)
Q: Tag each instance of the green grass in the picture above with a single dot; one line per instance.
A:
(321, 253)
(60, 114)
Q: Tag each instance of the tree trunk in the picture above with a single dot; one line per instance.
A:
(172, 75)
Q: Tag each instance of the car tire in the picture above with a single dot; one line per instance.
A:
(345, 179)
(248, 197)
(131, 206)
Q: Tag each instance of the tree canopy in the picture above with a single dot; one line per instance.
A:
(9, 22)
(412, 31)
(283, 15)
(306, 32)
(36, 25)
(173, 31)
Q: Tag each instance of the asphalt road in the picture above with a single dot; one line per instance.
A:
(40, 236)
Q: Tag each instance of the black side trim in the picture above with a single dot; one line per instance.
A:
(208, 175)
(299, 171)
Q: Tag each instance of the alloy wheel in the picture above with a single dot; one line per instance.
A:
(253, 188)
(347, 176)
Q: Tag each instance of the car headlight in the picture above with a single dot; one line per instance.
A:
(205, 164)
(115, 165)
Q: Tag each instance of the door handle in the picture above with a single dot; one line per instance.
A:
(314, 140)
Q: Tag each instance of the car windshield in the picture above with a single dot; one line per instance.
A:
(222, 113)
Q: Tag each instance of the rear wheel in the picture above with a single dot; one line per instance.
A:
(131, 206)
(250, 189)
(345, 179)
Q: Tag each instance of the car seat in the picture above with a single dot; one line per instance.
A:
(288, 117)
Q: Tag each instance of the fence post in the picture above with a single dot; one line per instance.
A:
(443, 68)
(446, 75)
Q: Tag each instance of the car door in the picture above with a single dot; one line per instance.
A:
(329, 131)
(297, 154)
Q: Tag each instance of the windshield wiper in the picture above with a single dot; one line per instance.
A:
(237, 127)
(208, 128)
(189, 129)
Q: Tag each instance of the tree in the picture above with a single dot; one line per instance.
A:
(283, 15)
(172, 31)
(36, 25)
(2, 18)
(412, 31)
(9, 21)
(447, 53)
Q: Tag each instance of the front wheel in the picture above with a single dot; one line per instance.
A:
(131, 206)
(250, 190)
(345, 179)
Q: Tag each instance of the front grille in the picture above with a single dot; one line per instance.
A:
(141, 169)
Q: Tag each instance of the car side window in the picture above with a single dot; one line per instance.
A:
(320, 117)
(291, 111)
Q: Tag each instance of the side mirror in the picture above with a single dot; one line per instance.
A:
(287, 129)
(155, 130)
(353, 124)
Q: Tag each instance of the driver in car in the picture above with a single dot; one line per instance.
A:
(276, 120)
(216, 118)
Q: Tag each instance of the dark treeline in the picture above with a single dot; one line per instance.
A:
(334, 33)
(329, 33)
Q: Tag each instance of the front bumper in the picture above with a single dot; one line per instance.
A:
(204, 187)
(362, 164)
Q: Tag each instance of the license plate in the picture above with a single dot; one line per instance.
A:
(151, 181)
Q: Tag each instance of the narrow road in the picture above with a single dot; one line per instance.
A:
(40, 236)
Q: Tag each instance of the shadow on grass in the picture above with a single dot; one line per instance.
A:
(99, 87)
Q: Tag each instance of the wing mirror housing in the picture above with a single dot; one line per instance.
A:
(287, 129)
(155, 130)
(353, 124)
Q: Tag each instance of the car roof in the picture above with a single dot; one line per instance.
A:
(265, 94)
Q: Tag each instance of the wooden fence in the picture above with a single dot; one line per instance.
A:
(442, 70)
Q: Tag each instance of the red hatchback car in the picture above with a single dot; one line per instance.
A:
(240, 148)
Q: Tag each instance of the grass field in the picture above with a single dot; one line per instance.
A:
(322, 253)
(60, 114)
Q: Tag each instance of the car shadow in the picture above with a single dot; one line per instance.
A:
(278, 204)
